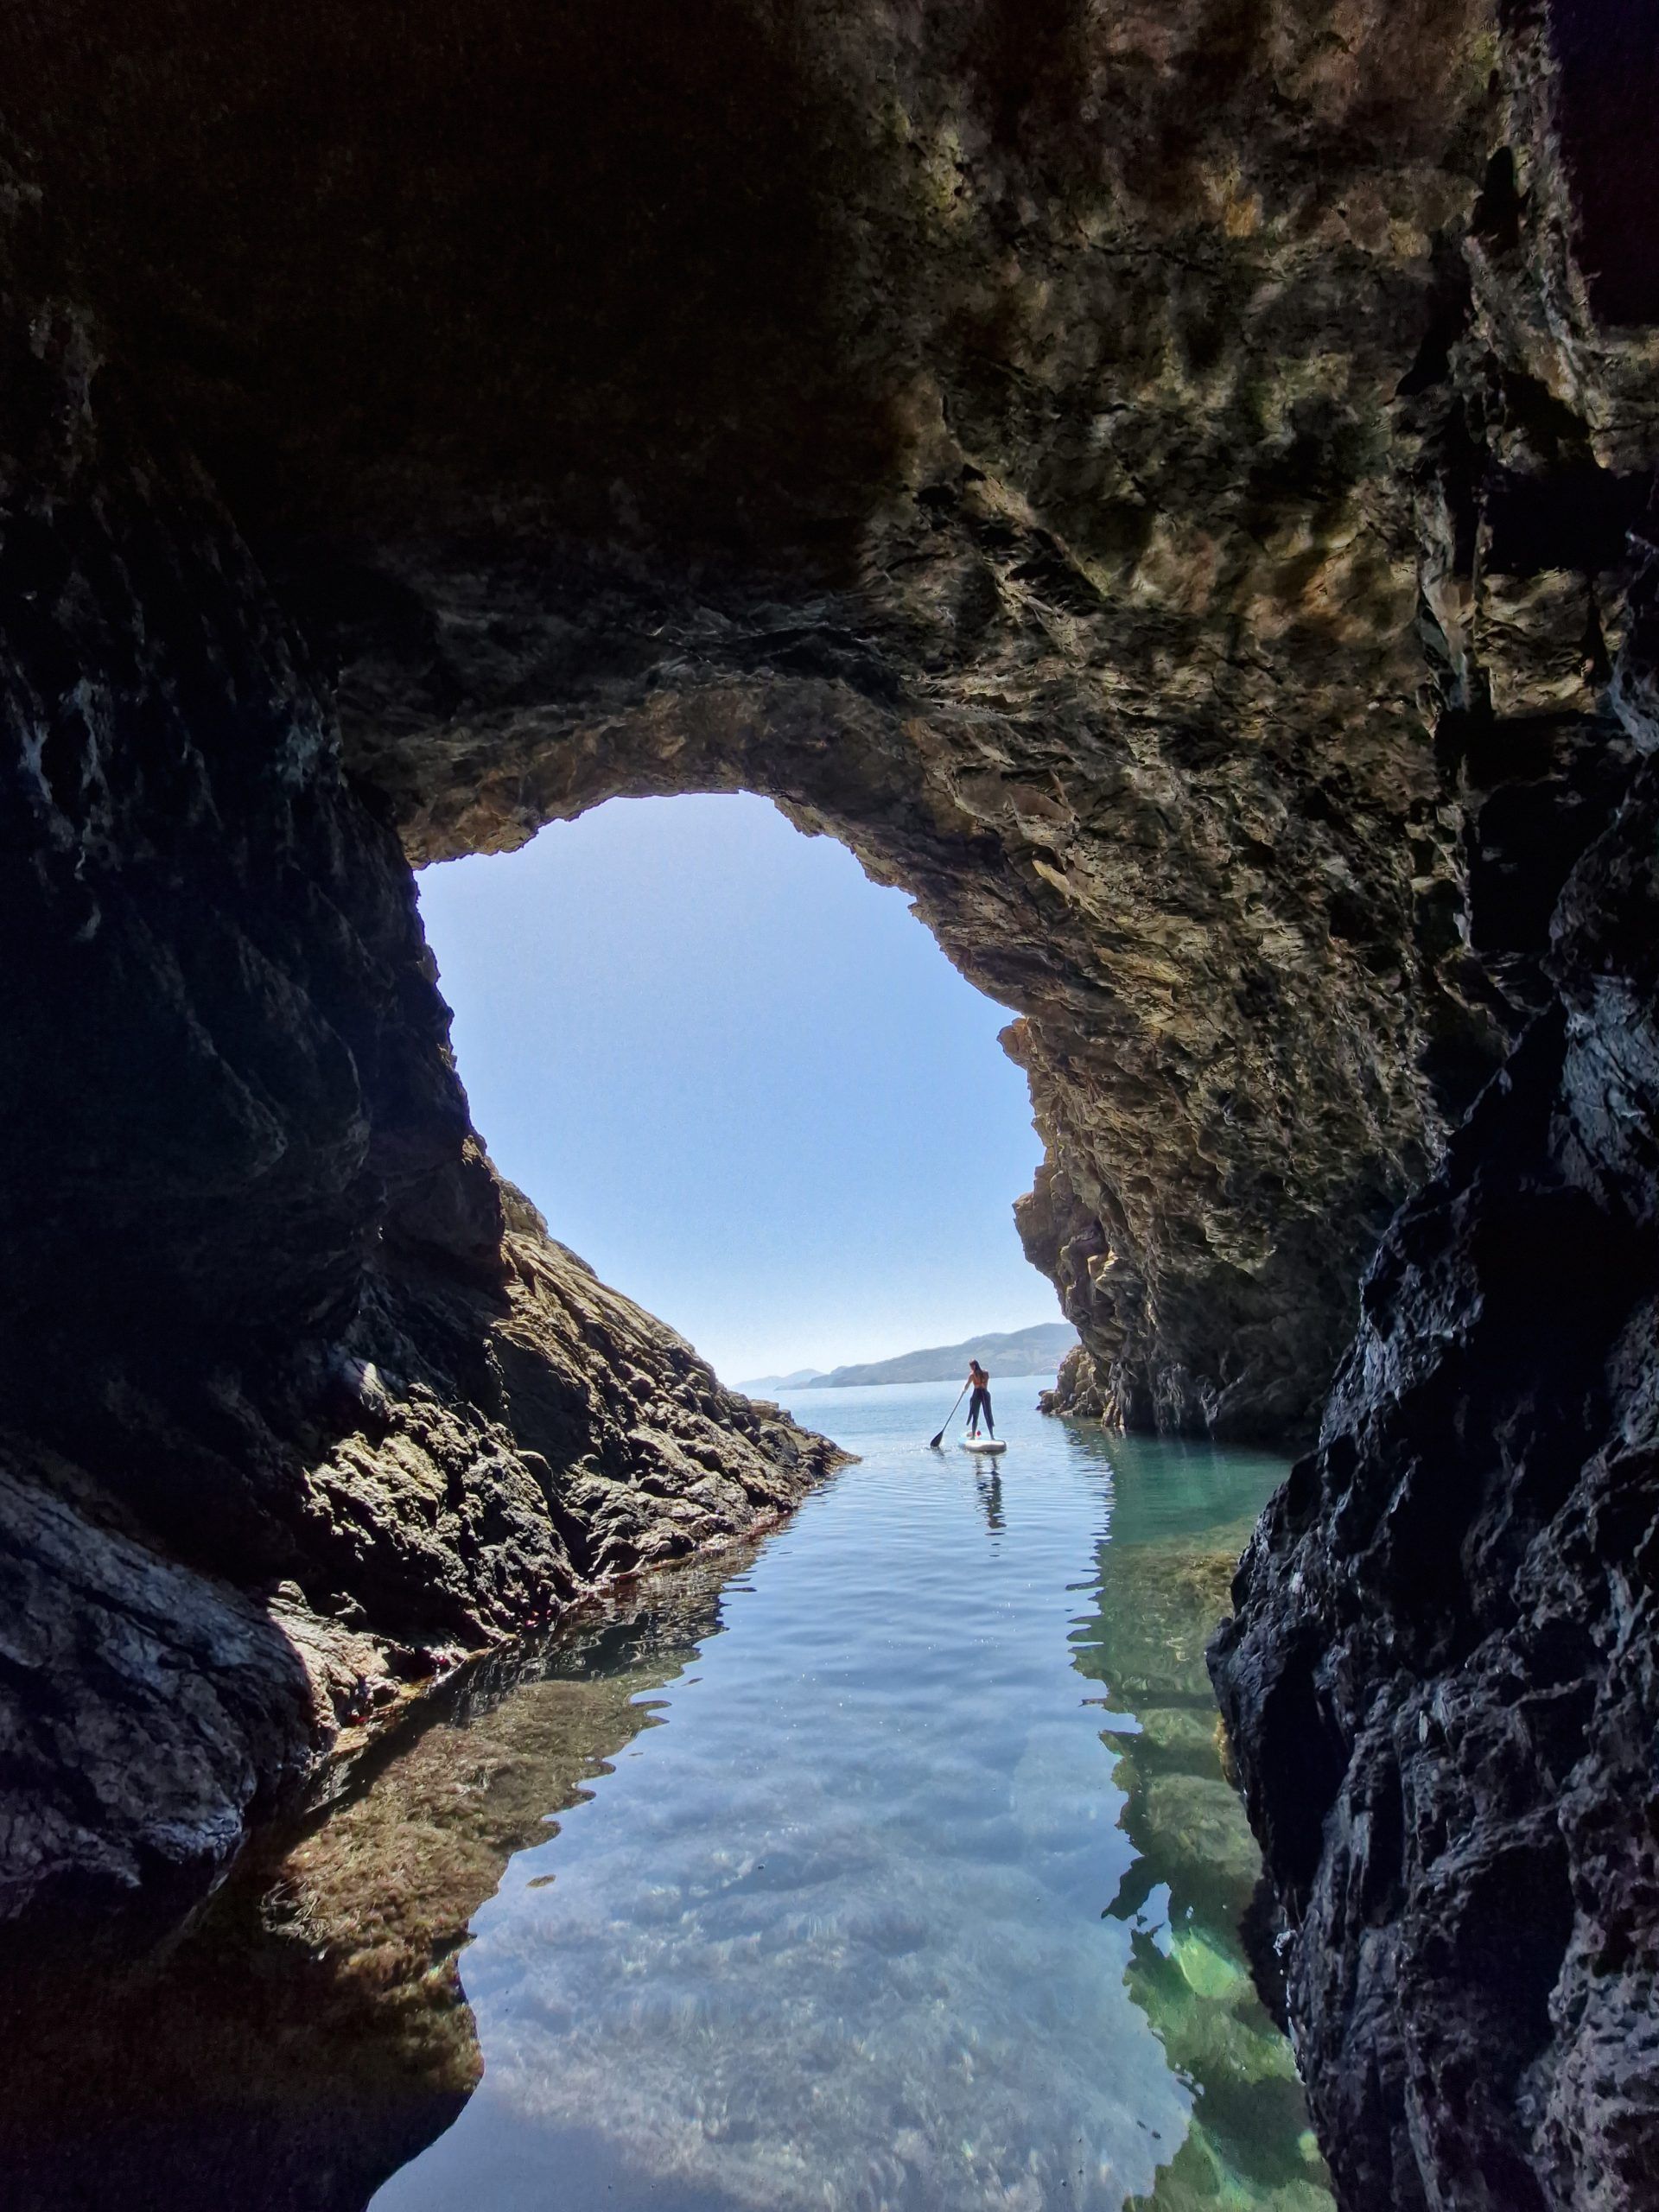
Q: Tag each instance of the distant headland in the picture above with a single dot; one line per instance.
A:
(1036, 1351)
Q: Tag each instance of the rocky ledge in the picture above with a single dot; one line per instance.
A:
(206, 1631)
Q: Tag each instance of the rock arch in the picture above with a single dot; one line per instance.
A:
(1014, 480)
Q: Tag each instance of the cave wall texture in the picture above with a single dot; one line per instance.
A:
(1169, 486)
(298, 1404)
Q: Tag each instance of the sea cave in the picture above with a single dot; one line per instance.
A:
(1170, 488)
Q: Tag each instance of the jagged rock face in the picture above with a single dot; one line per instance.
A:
(1441, 1679)
(245, 1576)
(1441, 1676)
(977, 428)
(296, 1404)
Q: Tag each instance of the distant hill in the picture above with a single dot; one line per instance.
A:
(1020, 1351)
(801, 1379)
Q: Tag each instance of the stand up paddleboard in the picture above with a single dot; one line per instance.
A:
(983, 1444)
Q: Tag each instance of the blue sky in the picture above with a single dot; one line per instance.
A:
(742, 1081)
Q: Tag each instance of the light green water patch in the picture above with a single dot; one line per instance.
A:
(1181, 1515)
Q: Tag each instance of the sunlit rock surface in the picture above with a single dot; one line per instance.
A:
(161, 1692)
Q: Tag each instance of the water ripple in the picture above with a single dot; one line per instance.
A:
(894, 1912)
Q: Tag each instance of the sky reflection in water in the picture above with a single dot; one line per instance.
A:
(894, 1909)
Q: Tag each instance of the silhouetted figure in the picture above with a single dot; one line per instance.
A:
(980, 1404)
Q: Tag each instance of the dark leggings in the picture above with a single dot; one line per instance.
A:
(978, 1404)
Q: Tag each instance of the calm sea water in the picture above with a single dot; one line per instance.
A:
(918, 1889)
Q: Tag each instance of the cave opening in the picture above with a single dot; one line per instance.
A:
(743, 1080)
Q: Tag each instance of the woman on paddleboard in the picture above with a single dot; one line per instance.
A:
(981, 1401)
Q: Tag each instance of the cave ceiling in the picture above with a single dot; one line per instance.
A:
(1048, 447)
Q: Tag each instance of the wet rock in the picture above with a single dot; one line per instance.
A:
(308, 2034)
(145, 1711)
(1441, 1681)
(1076, 1390)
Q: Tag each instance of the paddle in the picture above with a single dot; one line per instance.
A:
(934, 1442)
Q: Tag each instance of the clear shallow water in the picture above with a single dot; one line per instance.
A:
(921, 1891)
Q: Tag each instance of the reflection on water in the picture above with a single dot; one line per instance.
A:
(923, 1892)
(1183, 1514)
(878, 1919)
(308, 2033)
(990, 1498)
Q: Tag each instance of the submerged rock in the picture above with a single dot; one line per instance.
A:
(308, 2034)
(1205, 1969)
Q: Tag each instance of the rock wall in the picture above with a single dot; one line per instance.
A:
(298, 1404)
(1441, 1677)
(977, 428)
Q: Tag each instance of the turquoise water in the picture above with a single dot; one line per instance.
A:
(920, 1888)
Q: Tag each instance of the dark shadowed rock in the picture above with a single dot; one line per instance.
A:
(299, 1403)
(978, 431)
(1441, 1680)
